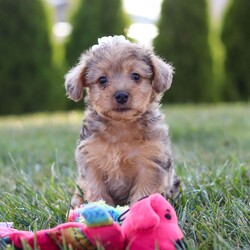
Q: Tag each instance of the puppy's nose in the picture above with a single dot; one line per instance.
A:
(121, 97)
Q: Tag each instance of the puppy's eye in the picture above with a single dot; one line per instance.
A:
(103, 80)
(136, 77)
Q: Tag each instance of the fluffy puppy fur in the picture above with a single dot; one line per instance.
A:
(123, 153)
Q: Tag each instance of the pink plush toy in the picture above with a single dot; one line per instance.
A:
(152, 224)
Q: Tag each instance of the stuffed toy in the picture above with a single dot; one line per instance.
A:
(151, 224)
(77, 215)
(99, 230)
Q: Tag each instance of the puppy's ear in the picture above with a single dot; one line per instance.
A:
(163, 74)
(75, 81)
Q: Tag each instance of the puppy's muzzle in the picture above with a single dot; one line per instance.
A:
(121, 97)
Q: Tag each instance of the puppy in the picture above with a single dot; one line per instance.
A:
(123, 153)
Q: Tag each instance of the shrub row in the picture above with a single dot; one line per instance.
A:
(30, 81)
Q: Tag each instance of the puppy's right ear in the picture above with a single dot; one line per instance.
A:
(75, 81)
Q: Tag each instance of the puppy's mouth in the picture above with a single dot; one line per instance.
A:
(122, 109)
(121, 113)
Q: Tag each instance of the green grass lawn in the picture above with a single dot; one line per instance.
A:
(211, 147)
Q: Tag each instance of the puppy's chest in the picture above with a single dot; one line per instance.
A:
(122, 152)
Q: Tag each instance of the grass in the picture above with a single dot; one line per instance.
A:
(211, 150)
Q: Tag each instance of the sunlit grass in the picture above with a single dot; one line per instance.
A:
(211, 150)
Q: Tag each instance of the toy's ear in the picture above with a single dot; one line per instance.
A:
(75, 81)
(161, 206)
(163, 74)
(142, 216)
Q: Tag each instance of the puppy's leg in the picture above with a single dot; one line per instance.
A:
(97, 191)
(156, 179)
(149, 181)
(90, 187)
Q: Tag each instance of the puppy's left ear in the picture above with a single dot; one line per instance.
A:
(75, 81)
(163, 74)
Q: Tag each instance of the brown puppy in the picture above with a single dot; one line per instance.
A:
(124, 149)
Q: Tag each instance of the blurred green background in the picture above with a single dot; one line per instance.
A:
(207, 41)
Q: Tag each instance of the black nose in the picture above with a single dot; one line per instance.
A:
(121, 97)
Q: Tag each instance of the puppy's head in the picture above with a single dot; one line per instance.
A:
(122, 79)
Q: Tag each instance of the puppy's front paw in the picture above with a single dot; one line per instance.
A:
(76, 201)
(175, 189)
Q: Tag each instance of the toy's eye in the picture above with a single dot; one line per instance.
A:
(103, 80)
(168, 216)
(136, 77)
